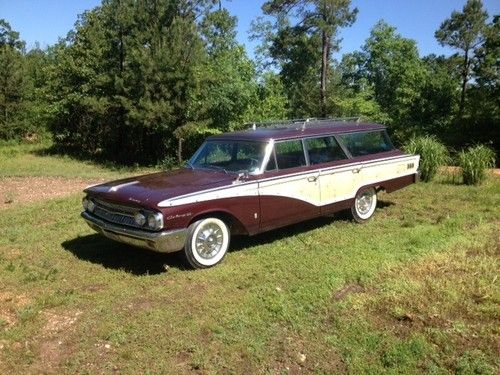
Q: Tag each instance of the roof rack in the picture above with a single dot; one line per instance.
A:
(301, 122)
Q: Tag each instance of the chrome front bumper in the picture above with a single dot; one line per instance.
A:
(164, 242)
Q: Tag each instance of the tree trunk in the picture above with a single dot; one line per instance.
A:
(325, 45)
(179, 150)
(465, 78)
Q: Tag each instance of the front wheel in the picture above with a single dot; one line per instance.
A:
(364, 205)
(207, 242)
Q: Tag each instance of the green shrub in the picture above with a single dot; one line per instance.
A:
(473, 163)
(433, 154)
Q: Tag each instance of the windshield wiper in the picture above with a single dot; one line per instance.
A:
(216, 167)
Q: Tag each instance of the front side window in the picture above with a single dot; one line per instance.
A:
(290, 154)
(229, 156)
(323, 150)
(366, 143)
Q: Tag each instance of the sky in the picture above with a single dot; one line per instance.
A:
(45, 21)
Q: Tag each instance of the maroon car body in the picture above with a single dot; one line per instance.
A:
(249, 182)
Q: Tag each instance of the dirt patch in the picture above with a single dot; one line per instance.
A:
(57, 323)
(9, 304)
(456, 170)
(18, 190)
(348, 289)
(54, 347)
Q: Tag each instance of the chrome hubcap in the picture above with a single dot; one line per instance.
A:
(364, 203)
(209, 241)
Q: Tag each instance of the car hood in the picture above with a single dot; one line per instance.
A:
(149, 190)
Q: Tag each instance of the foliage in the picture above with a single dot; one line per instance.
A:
(11, 83)
(439, 94)
(227, 77)
(353, 103)
(473, 163)
(314, 33)
(390, 65)
(134, 72)
(270, 103)
(464, 31)
(433, 154)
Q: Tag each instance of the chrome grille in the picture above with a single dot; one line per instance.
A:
(115, 213)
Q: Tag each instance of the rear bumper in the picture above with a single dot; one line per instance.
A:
(164, 242)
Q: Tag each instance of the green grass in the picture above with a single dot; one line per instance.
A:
(23, 160)
(412, 291)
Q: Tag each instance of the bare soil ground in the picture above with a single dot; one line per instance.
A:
(18, 190)
(495, 171)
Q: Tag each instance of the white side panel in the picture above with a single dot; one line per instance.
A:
(304, 187)
(338, 185)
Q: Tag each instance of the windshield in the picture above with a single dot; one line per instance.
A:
(229, 156)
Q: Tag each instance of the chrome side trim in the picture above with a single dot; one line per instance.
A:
(164, 242)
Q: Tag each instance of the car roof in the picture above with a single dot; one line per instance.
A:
(298, 130)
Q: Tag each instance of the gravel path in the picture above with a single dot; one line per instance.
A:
(18, 190)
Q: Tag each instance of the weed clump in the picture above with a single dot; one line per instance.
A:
(433, 154)
(473, 163)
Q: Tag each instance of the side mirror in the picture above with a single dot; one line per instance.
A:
(243, 176)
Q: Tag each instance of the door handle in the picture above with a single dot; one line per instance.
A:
(312, 179)
(357, 170)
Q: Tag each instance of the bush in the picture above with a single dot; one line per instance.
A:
(433, 154)
(473, 163)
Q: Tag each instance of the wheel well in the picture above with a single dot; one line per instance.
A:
(377, 188)
(232, 222)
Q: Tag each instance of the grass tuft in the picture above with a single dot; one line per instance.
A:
(474, 162)
(433, 155)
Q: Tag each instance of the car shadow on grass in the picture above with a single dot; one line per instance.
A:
(243, 242)
(114, 255)
(239, 243)
(383, 204)
(110, 254)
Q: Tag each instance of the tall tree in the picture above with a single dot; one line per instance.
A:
(124, 76)
(389, 65)
(487, 63)
(228, 75)
(12, 82)
(464, 31)
(320, 18)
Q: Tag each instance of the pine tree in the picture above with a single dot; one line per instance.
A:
(464, 31)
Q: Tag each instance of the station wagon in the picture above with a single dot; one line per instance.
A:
(252, 181)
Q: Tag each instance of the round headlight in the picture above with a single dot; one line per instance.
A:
(155, 221)
(90, 206)
(85, 203)
(140, 219)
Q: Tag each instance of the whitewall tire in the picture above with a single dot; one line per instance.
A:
(207, 242)
(364, 205)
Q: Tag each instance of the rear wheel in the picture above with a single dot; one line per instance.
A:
(364, 205)
(207, 242)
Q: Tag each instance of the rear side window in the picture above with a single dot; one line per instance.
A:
(290, 154)
(366, 143)
(323, 150)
